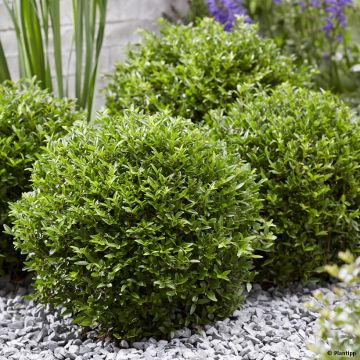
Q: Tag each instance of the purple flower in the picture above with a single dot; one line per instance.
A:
(225, 12)
(277, 2)
(336, 11)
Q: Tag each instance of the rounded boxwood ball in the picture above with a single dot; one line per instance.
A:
(29, 118)
(191, 70)
(307, 145)
(140, 225)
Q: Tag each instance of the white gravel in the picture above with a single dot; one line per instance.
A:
(272, 324)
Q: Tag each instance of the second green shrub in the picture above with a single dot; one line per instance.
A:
(306, 144)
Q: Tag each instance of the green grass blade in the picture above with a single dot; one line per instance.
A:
(89, 30)
(33, 41)
(44, 11)
(25, 12)
(54, 11)
(13, 11)
(4, 69)
(78, 8)
(102, 6)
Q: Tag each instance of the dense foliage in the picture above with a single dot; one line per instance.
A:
(342, 318)
(307, 145)
(193, 69)
(140, 224)
(29, 117)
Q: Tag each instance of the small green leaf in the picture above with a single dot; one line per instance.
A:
(224, 275)
(83, 321)
(211, 295)
(81, 262)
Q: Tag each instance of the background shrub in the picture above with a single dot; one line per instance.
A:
(342, 318)
(307, 146)
(140, 224)
(29, 117)
(193, 69)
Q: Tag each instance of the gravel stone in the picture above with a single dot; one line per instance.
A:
(163, 343)
(267, 357)
(8, 337)
(150, 352)
(42, 333)
(51, 345)
(213, 333)
(141, 345)
(83, 349)
(109, 356)
(29, 321)
(16, 344)
(74, 349)
(58, 353)
(253, 339)
(16, 325)
(8, 351)
(295, 339)
(124, 344)
(182, 333)
(294, 353)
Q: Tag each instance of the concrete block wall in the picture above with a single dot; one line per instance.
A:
(124, 17)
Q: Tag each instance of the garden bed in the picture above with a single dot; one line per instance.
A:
(271, 324)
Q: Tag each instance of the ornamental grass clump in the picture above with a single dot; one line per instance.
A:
(306, 144)
(140, 225)
(191, 70)
(29, 118)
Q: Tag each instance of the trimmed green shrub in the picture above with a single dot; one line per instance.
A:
(29, 117)
(140, 225)
(307, 146)
(193, 69)
(344, 317)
